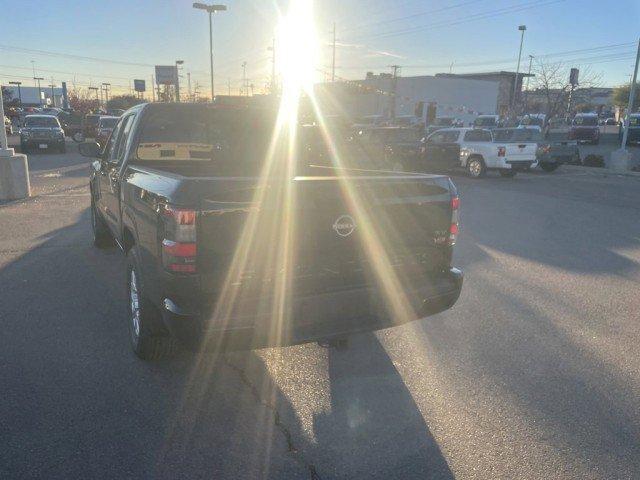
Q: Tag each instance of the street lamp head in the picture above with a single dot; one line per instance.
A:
(522, 28)
(209, 8)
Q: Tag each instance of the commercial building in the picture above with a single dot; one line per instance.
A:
(505, 82)
(32, 97)
(462, 98)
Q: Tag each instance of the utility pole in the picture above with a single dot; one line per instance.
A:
(526, 102)
(394, 88)
(177, 86)
(153, 88)
(96, 90)
(189, 86)
(210, 9)
(53, 98)
(273, 66)
(106, 92)
(333, 60)
(244, 78)
(522, 28)
(37, 79)
(632, 98)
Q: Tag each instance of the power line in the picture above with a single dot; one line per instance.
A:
(469, 18)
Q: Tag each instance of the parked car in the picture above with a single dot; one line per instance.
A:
(634, 129)
(105, 127)
(549, 155)
(584, 128)
(71, 122)
(41, 132)
(90, 125)
(534, 120)
(474, 150)
(176, 186)
(487, 121)
(389, 148)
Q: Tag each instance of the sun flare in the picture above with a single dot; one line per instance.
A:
(298, 49)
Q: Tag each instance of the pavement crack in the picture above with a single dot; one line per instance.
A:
(277, 420)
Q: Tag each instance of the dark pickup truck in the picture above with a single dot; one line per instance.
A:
(236, 240)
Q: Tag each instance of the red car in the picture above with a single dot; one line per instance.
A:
(104, 128)
(584, 128)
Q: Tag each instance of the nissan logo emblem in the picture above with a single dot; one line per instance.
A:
(344, 225)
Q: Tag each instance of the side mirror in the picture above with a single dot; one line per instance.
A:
(89, 149)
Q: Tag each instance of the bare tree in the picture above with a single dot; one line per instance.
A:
(552, 87)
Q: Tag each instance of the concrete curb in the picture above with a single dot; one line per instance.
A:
(600, 171)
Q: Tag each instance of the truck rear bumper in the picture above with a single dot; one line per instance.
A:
(312, 318)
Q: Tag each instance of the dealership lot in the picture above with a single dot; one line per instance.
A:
(533, 374)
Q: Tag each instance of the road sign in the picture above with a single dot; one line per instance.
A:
(139, 85)
(166, 74)
(573, 76)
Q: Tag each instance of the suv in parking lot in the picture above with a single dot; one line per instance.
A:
(41, 132)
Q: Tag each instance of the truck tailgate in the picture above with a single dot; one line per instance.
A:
(409, 215)
(521, 151)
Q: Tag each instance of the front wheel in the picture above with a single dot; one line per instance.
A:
(549, 167)
(508, 173)
(143, 318)
(476, 167)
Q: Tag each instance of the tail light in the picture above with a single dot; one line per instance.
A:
(453, 229)
(502, 151)
(179, 245)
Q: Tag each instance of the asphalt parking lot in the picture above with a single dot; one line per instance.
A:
(535, 373)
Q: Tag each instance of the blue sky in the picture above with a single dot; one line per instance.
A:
(425, 37)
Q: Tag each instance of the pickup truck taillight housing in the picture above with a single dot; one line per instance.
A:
(179, 244)
(453, 229)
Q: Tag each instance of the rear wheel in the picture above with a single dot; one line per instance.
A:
(510, 173)
(143, 318)
(476, 167)
(549, 167)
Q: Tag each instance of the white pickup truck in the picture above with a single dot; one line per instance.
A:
(475, 150)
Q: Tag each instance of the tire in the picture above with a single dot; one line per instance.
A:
(101, 236)
(143, 318)
(549, 167)
(476, 167)
(508, 173)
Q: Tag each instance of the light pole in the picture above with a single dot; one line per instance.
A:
(244, 78)
(19, 91)
(522, 28)
(178, 62)
(210, 9)
(53, 98)
(37, 79)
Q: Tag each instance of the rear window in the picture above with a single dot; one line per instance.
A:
(108, 122)
(586, 121)
(228, 140)
(42, 122)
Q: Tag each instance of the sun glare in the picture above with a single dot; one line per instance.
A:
(297, 46)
